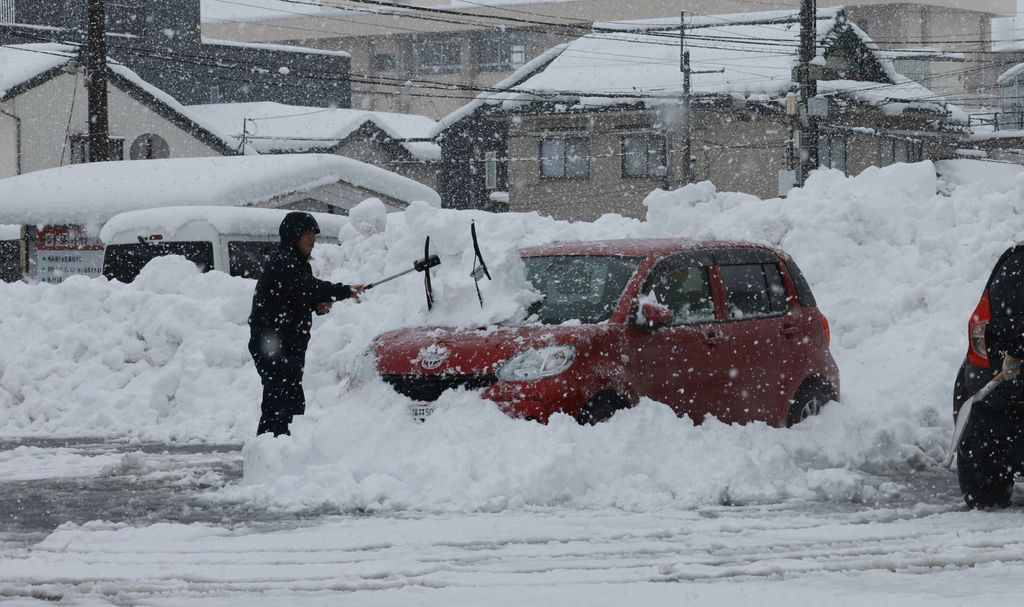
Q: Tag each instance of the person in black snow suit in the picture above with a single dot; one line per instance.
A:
(286, 296)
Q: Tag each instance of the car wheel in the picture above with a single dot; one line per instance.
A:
(601, 407)
(809, 400)
(983, 468)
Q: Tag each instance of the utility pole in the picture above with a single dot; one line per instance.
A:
(96, 82)
(684, 66)
(808, 160)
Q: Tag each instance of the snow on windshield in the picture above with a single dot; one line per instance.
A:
(894, 266)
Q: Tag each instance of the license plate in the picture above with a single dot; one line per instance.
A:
(421, 412)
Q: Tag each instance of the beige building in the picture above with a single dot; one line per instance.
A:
(536, 147)
(427, 57)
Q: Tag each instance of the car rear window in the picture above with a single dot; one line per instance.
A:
(123, 262)
(578, 287)
(1006, 297)
(246, 257)
(803, 290)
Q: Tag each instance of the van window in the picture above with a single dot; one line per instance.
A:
(748, 292)
(246, 257)
(123, 262)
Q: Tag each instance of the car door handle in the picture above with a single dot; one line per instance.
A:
(714, 338)
(788, 330)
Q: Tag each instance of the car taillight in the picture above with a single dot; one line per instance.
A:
(826, 332)
(977, 350)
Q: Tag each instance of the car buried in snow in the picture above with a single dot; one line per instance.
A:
(726, 329)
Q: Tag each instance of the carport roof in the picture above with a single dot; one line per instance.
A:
(93, 193)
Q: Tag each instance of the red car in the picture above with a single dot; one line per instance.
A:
(728, 329)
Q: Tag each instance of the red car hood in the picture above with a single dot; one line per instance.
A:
(447, 351)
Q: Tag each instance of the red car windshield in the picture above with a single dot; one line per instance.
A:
(577, 287)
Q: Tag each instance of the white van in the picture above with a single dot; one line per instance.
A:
(236, 240)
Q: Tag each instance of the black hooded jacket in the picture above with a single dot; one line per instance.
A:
(287, 293)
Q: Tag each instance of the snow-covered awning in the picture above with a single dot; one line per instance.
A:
(93, 193)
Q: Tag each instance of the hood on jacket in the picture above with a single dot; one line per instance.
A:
(294, 225)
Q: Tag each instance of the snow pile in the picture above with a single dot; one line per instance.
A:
(896, 268)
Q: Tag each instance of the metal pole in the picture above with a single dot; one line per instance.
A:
(808, 89)
(96, 82)
(684, 66)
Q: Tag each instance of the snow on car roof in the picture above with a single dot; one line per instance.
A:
(632, 247)
(95, 192)
(226, 220)
(10, 232)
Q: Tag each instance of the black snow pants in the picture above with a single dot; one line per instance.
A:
(279, 361)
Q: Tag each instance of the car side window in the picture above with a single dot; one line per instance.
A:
(753, 290)
(778, 299)
(686, 290)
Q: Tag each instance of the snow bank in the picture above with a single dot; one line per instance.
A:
(896, 268)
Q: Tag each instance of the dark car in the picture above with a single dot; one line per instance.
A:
(991, 450)
(728, 329)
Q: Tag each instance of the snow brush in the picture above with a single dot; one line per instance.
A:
(420, 265)
(965, 413)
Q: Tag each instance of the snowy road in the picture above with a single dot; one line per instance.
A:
(164, 541)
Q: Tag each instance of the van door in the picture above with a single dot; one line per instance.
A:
(675, 363)
(762, 339)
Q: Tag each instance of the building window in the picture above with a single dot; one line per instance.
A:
(901, 149)
(918, 70)
(643, 155)
(565, 158)
(384, 63)
(7, 11)
(1012, 104)
(437, 55)
(148, 147)
(80, 148)
(214, 94)
(832, 152)
(518, 54)
(491, 170)
(498, 52)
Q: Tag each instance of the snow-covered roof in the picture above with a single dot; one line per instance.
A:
(275, 47)
(23, 62)
(93, 193)
(252, 10)
(1011, 73)
(750, 56)
(226, 220)
(277, 127)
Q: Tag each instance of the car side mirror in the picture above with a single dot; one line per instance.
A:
(654, 315)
